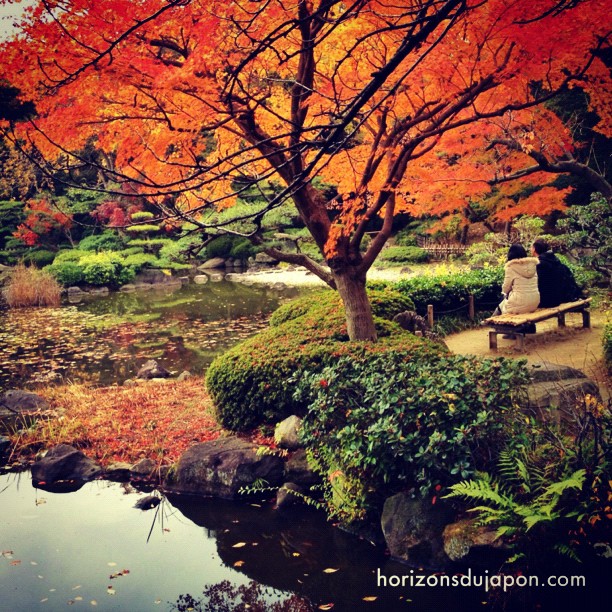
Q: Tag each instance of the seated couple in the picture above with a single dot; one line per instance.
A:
(531, 282)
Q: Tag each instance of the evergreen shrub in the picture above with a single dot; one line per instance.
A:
(404, 421)
(607, 346)
(39, 257)
(404, 254)
(106, 241)
(106, 268)
(450, 289)
(67, 273)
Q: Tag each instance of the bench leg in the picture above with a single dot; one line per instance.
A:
(493, 340)
(561, 319)
(586, 318)
(520, 341)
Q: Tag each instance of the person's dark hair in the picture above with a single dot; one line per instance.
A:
(540, 246)
(516, 251)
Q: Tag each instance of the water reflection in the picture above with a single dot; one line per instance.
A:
(94, 547)
(105, 339)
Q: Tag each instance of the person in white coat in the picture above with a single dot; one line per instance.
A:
(520, 286)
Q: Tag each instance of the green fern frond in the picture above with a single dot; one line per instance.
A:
(575, 481)
(482, 490)
(567, 551)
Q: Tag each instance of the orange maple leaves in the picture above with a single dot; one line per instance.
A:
(396, 101)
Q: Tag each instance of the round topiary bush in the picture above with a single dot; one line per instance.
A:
(249, 384)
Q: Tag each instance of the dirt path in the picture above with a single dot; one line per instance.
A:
(573, 346)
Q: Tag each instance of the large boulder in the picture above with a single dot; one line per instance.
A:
(556, 390)
(286, 433)
(214, 262)
(221, 467)
(64, 462)
(18, 406)
(298, 470)
(413, 530)
(465, 536)
(264, 258)
(151, 369)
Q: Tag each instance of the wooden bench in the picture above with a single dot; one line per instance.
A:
(521, 324)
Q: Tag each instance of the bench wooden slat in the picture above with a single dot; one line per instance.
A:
(516, 320)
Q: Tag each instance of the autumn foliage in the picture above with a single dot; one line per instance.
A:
(392, 103)
(157, 421)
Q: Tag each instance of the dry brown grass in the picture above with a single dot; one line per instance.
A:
(29, 286)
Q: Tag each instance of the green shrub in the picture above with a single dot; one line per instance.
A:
(132, 250)
(69, 255)
(220, 247)
(449, 290)
(107, 241)
(141, 215)
(106, 268)
(385, 302)
(180, 250)
(412, 421)
(607, 346)
(406, 237)
(243, 249)
(404, 254)
(67, 273)
(248, 384)
(486, 253)
(39, 257)
(140, 229)
(137, 261)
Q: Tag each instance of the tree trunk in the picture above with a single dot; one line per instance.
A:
(359, 319)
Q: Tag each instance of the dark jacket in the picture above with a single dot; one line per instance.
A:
(556, 282)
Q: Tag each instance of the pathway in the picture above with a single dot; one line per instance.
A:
(573, 346)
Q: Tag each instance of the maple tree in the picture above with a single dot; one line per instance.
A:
(41, 222)
(195, 102)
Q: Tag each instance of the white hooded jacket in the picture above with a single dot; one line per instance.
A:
(520, 286)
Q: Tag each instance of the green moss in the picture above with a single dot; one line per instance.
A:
(249, 383)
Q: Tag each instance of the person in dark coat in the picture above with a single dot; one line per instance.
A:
(556, 282)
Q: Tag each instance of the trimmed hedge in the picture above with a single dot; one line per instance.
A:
(249, 383)
(448, 291)
(404, 254)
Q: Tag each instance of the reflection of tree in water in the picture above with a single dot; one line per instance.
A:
(224, 597)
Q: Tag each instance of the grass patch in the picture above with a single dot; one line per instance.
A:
(155, 420)
(29, 286)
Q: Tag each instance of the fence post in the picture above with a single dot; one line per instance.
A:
(471, 313)
(430, 315)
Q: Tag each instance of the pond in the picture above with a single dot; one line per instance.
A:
(93, 549)
(104, 339)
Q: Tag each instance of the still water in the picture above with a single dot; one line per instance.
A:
(93, 549)
(105, 339)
